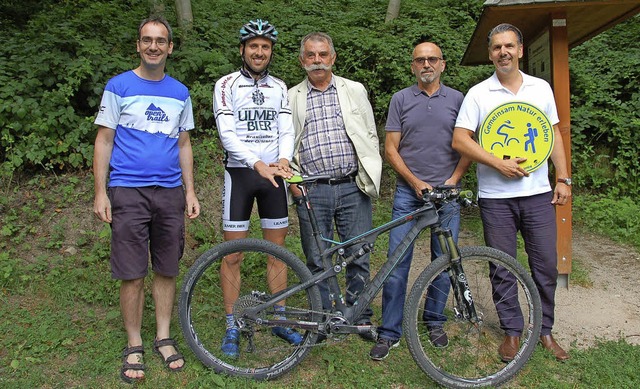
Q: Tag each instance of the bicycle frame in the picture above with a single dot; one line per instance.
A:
(474, 326)
(426, 216)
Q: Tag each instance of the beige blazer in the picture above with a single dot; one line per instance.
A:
(359, 123)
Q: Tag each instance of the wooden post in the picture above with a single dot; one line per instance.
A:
(560, 75)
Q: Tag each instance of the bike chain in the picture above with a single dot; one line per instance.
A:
(336, 338)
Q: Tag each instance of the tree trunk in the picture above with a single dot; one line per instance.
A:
(185, 16)
(156, 7)
(392, 10)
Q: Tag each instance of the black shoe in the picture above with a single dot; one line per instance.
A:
(438, 337)
(371, 335)
(382, 347)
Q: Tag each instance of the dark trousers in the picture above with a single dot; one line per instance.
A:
(350, 209)
(535, 218)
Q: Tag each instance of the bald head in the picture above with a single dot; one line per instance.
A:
(427, 65)
(431, 47)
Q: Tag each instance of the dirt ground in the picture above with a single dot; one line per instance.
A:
(607, 309)
(610, 308)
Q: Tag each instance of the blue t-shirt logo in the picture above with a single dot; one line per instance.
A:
(155, 114)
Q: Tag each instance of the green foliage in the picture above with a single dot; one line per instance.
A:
(51, 79)
(16, 13)
(61, 323)
(594, 368)
(618, 218)
(53, 73)
(62, 326)
(60, 69)
(579, 274)
(605, 115)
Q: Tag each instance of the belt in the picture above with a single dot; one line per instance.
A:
(335, 181)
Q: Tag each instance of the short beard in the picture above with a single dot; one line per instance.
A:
(427, 79)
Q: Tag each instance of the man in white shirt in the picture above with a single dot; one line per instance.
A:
(512, 199)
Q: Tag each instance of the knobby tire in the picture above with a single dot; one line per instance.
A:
(471, 358)
(202, 315)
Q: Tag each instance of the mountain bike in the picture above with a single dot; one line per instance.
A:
(473, 326)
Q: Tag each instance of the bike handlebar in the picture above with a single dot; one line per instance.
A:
(448, 193)
(439, 194)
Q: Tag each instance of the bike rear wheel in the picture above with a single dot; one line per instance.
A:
(202, 315)
(471, 357)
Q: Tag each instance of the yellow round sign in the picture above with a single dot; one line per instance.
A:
(518, 130)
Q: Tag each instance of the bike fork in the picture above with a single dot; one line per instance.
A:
(464, 307)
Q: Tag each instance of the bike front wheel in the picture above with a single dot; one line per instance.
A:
(266, 269)
(470, 359)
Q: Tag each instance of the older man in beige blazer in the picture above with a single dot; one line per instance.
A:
(335, 136)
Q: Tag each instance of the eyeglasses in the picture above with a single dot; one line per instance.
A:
(160, 42)
(433, 61)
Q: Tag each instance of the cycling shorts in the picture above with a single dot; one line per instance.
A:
(241, 187)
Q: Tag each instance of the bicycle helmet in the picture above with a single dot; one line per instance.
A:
(256, 28)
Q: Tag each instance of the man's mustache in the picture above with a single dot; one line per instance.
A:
(317, 67)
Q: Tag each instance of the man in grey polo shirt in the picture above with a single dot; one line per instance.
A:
(418, 147)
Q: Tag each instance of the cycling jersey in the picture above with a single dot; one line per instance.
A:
(253, 119)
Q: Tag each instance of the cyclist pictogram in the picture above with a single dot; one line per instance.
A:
(503, 130)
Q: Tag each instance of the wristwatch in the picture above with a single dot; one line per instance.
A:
(566, 181)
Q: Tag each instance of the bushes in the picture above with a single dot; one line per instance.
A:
(60, 55)
(615, 217)
(57, 57)
(50, 82)
(605, 103)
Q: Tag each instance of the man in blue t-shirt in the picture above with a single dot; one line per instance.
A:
(143, 147)
(418, 147)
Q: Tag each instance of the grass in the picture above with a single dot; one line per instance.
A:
(61, 325)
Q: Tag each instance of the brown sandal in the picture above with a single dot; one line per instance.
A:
(172, 358)
(131, 366)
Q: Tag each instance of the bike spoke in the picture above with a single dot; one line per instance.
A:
(471, 357)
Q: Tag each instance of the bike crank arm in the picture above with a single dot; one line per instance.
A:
(351, 329)
(297, 324)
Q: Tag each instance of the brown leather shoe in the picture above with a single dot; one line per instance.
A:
(509, 348)
(550, 344)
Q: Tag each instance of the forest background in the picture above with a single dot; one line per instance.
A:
(56, 58)
(58, 55)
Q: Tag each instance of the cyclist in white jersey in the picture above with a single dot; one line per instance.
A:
(254, 122)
